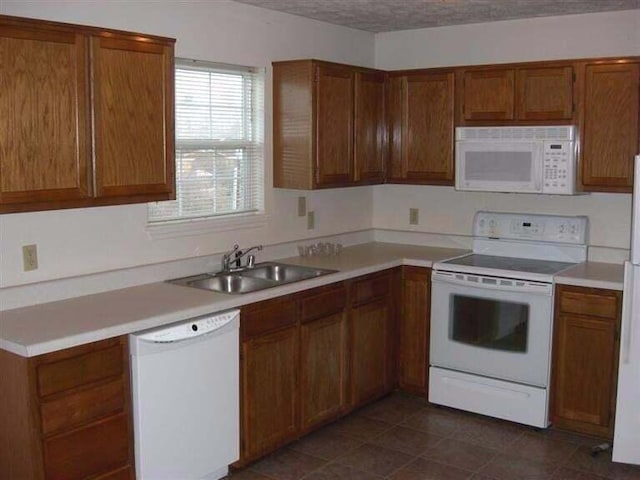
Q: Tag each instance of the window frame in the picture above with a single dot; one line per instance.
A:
(197, 225)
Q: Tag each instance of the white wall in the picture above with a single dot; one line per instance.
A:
(83, 241)
(446, 212)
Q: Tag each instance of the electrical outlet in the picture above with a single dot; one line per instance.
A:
(414, 215)
(29, 257)
(311, 221)
(302, 206)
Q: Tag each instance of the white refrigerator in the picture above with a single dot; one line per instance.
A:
(626, 440)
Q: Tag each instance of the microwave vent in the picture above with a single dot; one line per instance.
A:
(562, 132)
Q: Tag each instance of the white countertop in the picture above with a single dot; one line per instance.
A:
(48, 327)
(593, 274)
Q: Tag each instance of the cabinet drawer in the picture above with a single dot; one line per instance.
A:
(98, 448)
(371, 288)
(324, 303)
(267, 316)
(125, 473)
(82, 407)
(603, 303)
(80, 370)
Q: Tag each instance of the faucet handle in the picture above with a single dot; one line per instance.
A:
(251, 261)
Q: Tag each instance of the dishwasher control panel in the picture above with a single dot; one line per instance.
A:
(192, 328)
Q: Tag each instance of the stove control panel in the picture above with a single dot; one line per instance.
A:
(532, 227)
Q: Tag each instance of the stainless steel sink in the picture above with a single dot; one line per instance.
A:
(264, 275)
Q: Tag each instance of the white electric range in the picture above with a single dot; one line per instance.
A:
(492, 315)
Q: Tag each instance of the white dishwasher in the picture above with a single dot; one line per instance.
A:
(185, 381)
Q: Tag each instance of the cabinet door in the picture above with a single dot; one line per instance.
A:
(414, 325)
(323, 373)
(610, 126)
(427, 129)
(545, 93)
(43, 117)
(489, 94)
(334, 126)
(585, 357)
(370, 351)
(370, 127)
(269, 369)
(133, 118)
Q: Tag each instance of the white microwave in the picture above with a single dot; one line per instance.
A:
(516, 159)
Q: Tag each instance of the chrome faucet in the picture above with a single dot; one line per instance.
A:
(235, 257)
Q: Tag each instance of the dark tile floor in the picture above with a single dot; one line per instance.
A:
(403, 438)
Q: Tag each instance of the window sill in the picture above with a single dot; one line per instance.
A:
(203, 226)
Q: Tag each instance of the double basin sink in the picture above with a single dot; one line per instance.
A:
(260, 277)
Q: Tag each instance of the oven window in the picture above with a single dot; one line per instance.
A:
(493, 324)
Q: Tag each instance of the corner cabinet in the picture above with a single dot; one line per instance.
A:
(86, 116)
(328, 125)
(609, 123)
(585, 359)
(421, 114)
(67, 415)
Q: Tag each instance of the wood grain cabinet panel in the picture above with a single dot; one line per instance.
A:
(67, 414)
(323, 373)
(334, 125)
(609, 125)
(269, 386)
(413, 330)
(44, 127)
(370, 144)
(545, 93)
(585, 359)
(133, 114)
(329, 125)
(422, 117)
(86, 116)
(370, 351)
(97, 448)
(489, 94)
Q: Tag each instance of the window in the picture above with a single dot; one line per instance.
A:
(219, 143)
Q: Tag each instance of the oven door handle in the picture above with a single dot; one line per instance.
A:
(491, 283)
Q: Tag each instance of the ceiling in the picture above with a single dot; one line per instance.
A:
(389, 15)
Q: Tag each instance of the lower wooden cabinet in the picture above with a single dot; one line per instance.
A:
(413, 330)
(67, 415)
(309, 358)
(372, 334)
(324, 357)
(585, 359)
(269, 387)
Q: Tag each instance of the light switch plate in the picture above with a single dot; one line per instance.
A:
(29, 257)
(311, 221)
(302, 206)
(414, 216)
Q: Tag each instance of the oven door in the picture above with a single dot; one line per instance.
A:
(495, 327)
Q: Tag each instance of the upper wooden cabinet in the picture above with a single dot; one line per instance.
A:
(609, 124)
(57, 82)
(421, 111)
(328, 125)
(521, 94)
(370, 122)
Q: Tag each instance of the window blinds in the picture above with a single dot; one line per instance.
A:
(219, 115)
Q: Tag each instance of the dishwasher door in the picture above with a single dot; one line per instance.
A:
(185, 385)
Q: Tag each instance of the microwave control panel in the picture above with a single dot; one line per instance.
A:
(558, 175)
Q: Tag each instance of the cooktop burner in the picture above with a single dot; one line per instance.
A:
(512, 264)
